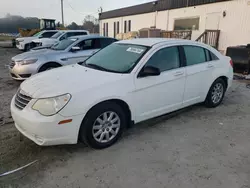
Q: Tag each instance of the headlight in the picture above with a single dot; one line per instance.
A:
(51, 106)
(27, 62)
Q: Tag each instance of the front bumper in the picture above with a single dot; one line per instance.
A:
(20, 45)
(22, 72)
(45, 130)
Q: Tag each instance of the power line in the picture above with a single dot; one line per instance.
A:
(80, 12)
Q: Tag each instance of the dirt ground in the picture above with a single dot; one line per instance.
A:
(196, 147)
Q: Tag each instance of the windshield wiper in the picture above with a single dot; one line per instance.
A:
(95, 67)
(98, 67)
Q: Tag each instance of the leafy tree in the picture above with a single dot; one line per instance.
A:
(73, 26)
(91, 24)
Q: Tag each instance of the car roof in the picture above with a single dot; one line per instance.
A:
(73, 30)
(88, 37)
(50, 30)
(154, 41)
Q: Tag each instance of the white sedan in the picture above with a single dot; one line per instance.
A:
(127, 82)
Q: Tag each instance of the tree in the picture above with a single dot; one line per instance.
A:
(58, 24)
(91, 24)
(11, 23)
(73, 26)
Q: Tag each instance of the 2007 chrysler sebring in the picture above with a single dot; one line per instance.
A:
(128, 81)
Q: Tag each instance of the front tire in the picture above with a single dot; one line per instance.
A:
(216, 93)
(103, 125)
(27, 47)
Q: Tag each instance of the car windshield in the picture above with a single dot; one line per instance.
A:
(37, 34)
(58, 34)
(119, 58)
(62, 45)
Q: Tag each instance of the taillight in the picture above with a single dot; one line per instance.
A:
(231, 63)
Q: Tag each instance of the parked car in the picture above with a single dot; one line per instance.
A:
(127, 82)
(25, 43)
(68, 51)
(61, 35)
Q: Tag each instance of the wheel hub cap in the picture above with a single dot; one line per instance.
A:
(106, 127)
(217, 93)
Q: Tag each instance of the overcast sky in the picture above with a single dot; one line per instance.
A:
(75, 10)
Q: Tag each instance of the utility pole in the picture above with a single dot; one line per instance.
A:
(62, 12)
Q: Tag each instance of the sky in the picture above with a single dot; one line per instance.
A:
(74, 10)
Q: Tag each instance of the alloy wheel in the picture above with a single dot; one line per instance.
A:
(217, 93)
(106, 127)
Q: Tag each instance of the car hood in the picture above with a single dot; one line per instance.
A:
(45, 41)
(37, 40)
(68, 79)
(35, 54)
(26, 38)
(41, 47)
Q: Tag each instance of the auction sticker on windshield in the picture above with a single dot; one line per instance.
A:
(135, 50)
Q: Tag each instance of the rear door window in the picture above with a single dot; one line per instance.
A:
(86, 44)
(48, 34)
(71, 34)
(194, 55)
(213, 56)
(77, 33)
(210, 56)
(82, 33)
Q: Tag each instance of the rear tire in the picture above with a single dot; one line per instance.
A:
(99, 125)
(49, 66)
(216, 93)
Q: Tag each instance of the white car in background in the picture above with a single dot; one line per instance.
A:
(66, 52)
(25, 43)
(61, 35)
(128, 81)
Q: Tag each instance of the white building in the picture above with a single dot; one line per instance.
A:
(231, 17)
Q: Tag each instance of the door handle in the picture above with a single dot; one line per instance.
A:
(178, 73)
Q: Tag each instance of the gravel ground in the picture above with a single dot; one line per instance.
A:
(196, 147)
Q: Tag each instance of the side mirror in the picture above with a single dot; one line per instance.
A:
(149, 71)
(75, 49)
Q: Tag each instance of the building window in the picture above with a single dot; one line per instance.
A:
(115, 29)
(187, 24)
(125, 26)
(129, 25)
(118, 27)
(107, 30)
(104, 29)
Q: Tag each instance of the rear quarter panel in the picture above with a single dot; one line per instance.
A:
(222, 68)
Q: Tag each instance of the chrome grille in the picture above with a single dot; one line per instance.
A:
(21, 100)
(12, 64)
